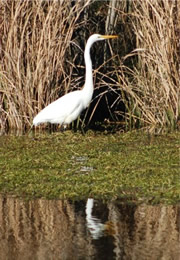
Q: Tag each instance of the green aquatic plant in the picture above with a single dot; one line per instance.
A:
(134, 165)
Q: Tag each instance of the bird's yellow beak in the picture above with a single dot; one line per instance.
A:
(109, 36)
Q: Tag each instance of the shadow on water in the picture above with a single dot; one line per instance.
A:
(56, 229)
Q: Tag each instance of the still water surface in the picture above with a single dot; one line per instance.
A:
(55, 229)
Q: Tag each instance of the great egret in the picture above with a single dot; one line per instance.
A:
(68, 107)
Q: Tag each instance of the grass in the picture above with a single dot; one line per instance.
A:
(132, 166)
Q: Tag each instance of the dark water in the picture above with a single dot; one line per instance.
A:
(54, 229)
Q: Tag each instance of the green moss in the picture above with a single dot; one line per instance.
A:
(131, 165)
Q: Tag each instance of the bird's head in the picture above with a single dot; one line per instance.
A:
(98, 37)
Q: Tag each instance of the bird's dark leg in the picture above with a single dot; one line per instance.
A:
(83, 130)
(62, 128)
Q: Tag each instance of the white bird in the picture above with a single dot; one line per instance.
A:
(68, 107)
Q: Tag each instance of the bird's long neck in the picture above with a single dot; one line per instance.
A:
(88, 86)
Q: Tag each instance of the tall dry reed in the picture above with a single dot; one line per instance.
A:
(34, 38)
(151, 88)
(36, 45)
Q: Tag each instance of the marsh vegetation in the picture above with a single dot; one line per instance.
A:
(47, 177)
(41, 54)
(135, 166)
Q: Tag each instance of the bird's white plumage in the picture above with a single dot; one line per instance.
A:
(68, 107)
(64, 110)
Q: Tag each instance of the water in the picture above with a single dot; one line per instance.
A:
(56, 229)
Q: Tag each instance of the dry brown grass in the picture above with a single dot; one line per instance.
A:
(151, 89)
(36, 50)
(35, 36)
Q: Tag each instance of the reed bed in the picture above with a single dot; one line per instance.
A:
(35, 36)
(151, 88)
(38, 59)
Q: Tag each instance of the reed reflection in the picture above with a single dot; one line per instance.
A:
(55, 229)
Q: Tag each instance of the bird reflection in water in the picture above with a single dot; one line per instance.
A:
(95, 226)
